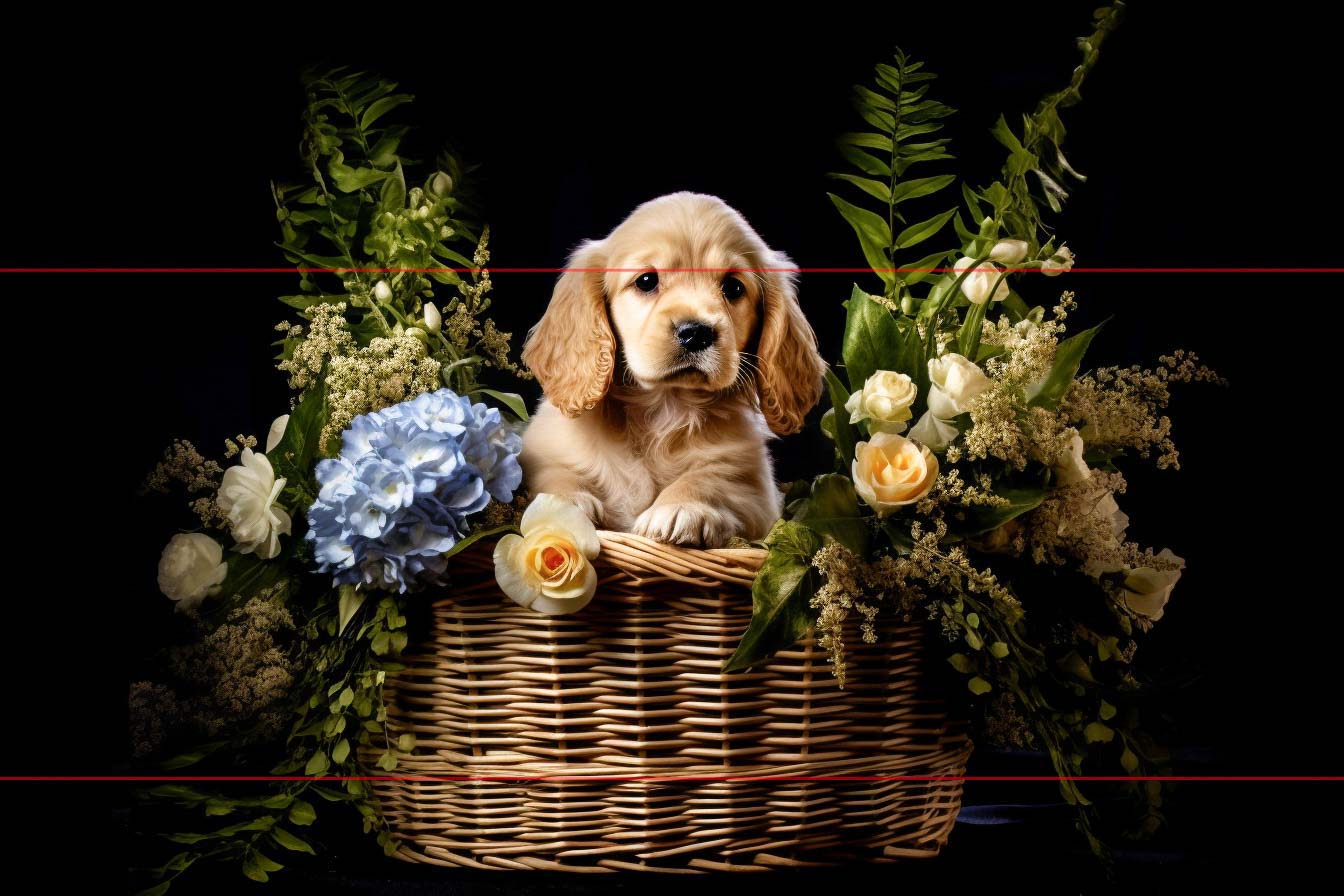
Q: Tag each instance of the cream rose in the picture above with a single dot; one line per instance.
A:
(1146, 590)
(191, 568)
(247, 495)
(891, 471)
(548, 567)
(1059, 263)
(980, 281)
(884, 401)
(954, 382)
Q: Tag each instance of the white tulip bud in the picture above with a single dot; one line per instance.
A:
(433, 320)
(441, 184)
(1059, 263)
(382, 292)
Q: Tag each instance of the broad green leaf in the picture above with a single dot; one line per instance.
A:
(381, 107)
(998, 650)
(832, 510)
(873, 233)
(872, 340)
(512, 400)
(298, 450)
(780, 596)
(308, 301)
(318, 764)
(302, 813)
(1107, 711)
(350, 601)
(920, 186)
(478, 536)
(341, 751)
(1048, 391)
(962, 663)
(351, 180)
(1097, 733)
(979, 520)
(968, 336)
(918, 233)
(392, 197)
(1128, 761)
(406, 742)
(866, 139)
(843, 430)
(879, 190)
(919, 271)
(287, 840)
(979, 686)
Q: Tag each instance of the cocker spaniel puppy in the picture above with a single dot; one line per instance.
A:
(670, 351)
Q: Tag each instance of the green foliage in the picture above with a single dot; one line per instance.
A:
(780, 595)
(896, 108)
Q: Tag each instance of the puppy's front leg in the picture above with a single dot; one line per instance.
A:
(560, 481)
(706, 508)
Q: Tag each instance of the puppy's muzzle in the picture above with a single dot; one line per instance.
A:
(695, 336)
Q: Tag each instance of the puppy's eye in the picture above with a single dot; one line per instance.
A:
(733, 289)
(647, 282)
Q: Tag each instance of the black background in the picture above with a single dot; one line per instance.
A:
(1200, 135)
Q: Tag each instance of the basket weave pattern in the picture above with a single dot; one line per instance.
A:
(631, 686)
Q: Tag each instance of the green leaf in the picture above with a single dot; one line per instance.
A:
(1048, 391)
(157, 890)
(392, 197)
(406, 742)
(296, 454)
(1107, 711)
(318, 764)
(842, 429)
(920, 186)
(512, 400)
(979, 686)
(1128, 761)
(998, 650)
(863, 161)
(962, 663)
(352, 180)
(388, 761)
(1097, 733)
(979, 520)
(832, 511)
(341, 751)
(872, 339)
(876, 188)
(918, 233)
(381, 107)
(474, 537)
(302, 813)
(780, 595)
(350, 601)
(873, 233)
(919, 271)
(287, 840)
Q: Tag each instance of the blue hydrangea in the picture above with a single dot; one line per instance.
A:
(398, 495)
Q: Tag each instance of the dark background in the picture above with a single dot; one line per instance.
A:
(1200, 135)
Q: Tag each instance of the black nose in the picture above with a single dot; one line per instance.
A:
(695, 336)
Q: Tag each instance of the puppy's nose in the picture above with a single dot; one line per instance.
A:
(695, 336)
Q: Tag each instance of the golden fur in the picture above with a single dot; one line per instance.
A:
(644, 437)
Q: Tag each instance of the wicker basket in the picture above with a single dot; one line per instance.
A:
(631, 687)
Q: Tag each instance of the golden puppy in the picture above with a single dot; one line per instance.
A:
(669, 352)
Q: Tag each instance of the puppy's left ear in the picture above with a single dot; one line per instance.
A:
(791, 370)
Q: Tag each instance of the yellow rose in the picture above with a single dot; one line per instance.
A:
(548, 567)
(891, 471)
(884, 401)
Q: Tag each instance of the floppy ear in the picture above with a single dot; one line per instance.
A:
(791, 370)
(571, 349)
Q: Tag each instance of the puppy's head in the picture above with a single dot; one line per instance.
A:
(698, 302)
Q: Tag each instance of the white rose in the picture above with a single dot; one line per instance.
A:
(1069, 467)
(1147, 590)
(548, 567)
(891, 471)
(1105, 507)
(931, 431)
(1058, 263)
(276, 433)
(1009, 252)
(980, 281)
(955, 383)
(433, 319)
(191, 568)
(381, 291)
(884, 401)
(247, 495)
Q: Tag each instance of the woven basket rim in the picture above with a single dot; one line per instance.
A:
(636, 554)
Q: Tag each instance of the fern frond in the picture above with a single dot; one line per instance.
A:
(896, 106)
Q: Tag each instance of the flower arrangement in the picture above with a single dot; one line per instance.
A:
(975, 474)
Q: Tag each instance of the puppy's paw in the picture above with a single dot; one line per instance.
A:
(692, 523)
(590, 505)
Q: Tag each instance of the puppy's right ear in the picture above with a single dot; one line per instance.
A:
(571, 349)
